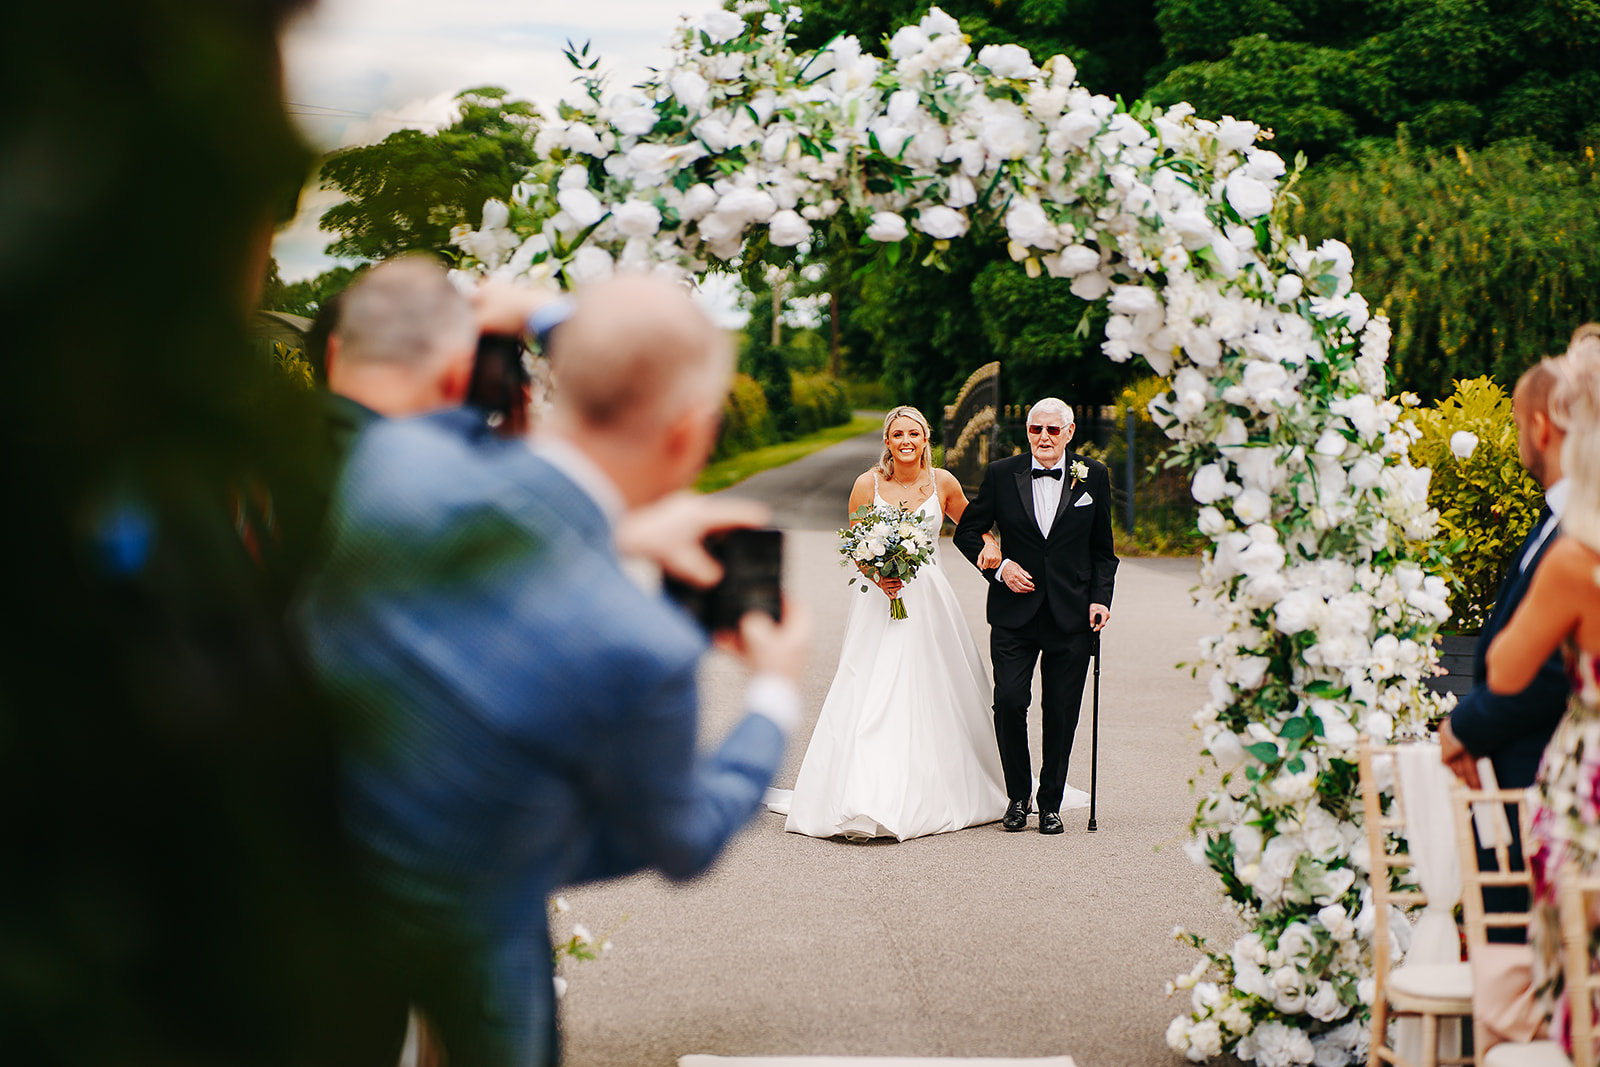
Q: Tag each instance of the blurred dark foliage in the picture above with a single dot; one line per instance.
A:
(175, 890)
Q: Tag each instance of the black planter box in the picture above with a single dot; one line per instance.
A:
(1455, 656)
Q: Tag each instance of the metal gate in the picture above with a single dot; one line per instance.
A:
(971, 426)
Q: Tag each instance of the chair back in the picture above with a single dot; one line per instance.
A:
(1483, 817)
(1380, 825)
(1577, 895)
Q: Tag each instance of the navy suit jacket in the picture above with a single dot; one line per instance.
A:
(1512, 729)
(1072, 568)
(534, 711)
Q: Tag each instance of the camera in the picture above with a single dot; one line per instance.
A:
(752, 580)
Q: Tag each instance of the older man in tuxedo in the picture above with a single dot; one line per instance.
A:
(1047, 599)
(534, 710)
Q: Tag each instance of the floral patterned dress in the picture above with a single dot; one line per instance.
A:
(1566, 825)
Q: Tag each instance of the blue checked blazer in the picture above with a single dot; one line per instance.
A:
(534, 712)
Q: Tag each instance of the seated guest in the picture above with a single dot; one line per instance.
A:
(1561, 614)
(534, 711)
(1512, 728)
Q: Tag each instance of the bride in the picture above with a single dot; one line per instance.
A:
(905, 743)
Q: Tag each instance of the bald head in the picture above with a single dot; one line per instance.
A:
(405, 312)
(637, 348)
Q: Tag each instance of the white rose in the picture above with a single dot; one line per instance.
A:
(722, 25)
(1178, 1034)
(1289, 288)
(1007, 61)
(584, 207)
(1076, 259)
(942, 223)
(1331, 443)
(590, 264)
(1288, 990)
(1235, 135)
(635, 121)
(1325, 1004)
(1211, 521)
(636, 218)
(787, 229)
(690, 89)
(1337, 922)
(1133, 300)
(1077, 128)
(1226, 750)
(1211, 485)
(1463, 443)
(1205, 1041)
(1249, 197)
(1027, 225)
(1252, 506)
(1280, 1045)
(887, 226)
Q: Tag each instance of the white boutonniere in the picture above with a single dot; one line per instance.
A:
(1080, 471)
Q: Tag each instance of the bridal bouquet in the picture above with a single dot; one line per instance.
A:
(888, 541)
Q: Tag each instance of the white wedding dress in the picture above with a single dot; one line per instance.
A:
(904, 745)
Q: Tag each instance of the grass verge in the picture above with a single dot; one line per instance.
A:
(735, 469)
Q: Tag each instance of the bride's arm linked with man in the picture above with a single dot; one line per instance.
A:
(1048, 598)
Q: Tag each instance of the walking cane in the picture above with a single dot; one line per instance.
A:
(1094, 735)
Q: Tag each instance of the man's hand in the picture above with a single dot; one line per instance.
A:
(671, 533)
(989, 555)
(1017, 580)
(769, 647)
(504, 308)
(1099, 615)
(1463, 764)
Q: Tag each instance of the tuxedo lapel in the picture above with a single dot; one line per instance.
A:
(1069, 492)
(1025, 491)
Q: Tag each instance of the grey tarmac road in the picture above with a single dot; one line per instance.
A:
(977, 943)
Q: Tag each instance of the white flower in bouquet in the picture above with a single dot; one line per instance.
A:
(885, 542)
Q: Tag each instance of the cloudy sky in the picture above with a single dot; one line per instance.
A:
(357, 70)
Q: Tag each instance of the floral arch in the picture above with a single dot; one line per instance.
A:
(1318, 576)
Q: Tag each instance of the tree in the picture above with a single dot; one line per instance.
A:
(1325, 73)
(305, 297)
(408, 190)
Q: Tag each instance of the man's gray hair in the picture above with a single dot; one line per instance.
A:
(1050, 405)
(404, 311)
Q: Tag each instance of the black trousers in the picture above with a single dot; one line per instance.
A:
(1063, 662)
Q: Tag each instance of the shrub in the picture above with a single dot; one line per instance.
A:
(1483, 261)
(746, 423)
(819, 401)
(1487, 502)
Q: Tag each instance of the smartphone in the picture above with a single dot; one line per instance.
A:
(752, 579)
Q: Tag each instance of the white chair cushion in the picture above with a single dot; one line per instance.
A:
(1531, 1054)
(1435, 981)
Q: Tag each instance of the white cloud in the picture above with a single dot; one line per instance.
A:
(360, 69)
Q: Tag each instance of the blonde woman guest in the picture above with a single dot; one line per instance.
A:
(904, 745)
(1562, 611)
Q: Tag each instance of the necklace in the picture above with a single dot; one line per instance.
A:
(915, 482)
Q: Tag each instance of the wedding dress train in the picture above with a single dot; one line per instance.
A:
(904, 745)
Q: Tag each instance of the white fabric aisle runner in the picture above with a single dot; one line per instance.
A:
(865, 1061)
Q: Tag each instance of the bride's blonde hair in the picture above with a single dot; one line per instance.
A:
(1575, 407)
(886, 461)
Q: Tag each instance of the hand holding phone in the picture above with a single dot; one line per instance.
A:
(752, 579)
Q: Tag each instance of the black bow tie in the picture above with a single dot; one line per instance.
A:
(1040, 472)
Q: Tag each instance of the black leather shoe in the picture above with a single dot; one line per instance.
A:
(1016, 817)
(1050, 823)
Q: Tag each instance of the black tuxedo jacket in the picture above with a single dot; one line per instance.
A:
(1074, 567)
(1512, 729)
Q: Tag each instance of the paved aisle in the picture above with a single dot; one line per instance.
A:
(978, 943)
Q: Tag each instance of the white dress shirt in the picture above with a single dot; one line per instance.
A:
(1046, 498)
(1555, 499)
